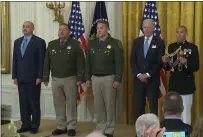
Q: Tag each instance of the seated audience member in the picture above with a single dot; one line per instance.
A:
(95, 134)
(198, 129)
(173, 108)
(144, 122)
(154, 132)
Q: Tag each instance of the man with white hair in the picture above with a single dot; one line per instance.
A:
(146, 121)
(146, 63)
(95, 134)
(154, 132)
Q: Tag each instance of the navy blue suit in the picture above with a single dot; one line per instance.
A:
(26, 69)
(150, 64)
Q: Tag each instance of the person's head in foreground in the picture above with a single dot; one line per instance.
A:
(95, 134)
(154, 131)
(173, 105)
(144, 122)
(198, 128)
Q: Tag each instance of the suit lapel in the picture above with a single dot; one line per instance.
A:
(19, 45)
(150, 46)
(142, 47)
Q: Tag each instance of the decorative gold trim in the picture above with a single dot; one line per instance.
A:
(56, 7)
(5, 39)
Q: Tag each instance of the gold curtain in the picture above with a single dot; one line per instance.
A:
(171, 15)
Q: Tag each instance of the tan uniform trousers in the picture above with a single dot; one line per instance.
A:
(65, 102)
(104, 103)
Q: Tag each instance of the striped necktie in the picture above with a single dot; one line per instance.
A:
(24, 46)
(62, 43)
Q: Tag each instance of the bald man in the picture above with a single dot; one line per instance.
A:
(146, 63)
(182, 76)
(28, 60)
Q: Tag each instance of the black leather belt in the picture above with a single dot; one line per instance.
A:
(101, 75)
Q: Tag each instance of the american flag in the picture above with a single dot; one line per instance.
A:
(150, 12)
(77, 32)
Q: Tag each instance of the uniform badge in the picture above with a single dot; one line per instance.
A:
(109, 46)
(53, 51)
(69, 47)
(92, 50)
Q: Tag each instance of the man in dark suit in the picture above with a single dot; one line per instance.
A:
(28, 60)
(146, 64)
(181, 76)
(173, 108)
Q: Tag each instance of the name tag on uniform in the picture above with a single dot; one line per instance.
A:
(153, 46)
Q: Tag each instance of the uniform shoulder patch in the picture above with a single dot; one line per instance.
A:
(92, 37)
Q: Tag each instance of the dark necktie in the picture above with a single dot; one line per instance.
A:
(100, 43)
(62, 43)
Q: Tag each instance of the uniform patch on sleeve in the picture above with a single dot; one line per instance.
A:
(92, 37)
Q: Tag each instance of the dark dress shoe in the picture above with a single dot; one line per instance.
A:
(71, 132)
(108, 135)
(34, 131)
(59, 132)
(22, 130)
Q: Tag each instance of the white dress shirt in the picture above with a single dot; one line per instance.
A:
(149, 39)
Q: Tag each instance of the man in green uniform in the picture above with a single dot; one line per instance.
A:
(65, 59)
(103, 68)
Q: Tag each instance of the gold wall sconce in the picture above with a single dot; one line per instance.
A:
(56, 7)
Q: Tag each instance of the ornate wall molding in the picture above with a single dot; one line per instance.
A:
(5, 39)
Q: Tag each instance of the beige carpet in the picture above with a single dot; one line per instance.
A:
(83, 129)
